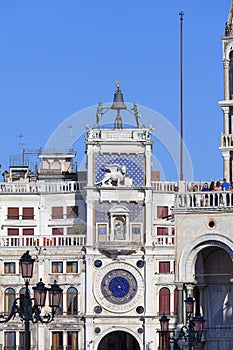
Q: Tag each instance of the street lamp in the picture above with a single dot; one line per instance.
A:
(164, 324)
(29, 309)
(191, 333)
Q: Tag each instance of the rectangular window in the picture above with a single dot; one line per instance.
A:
(72, 267)
(162, 231)
(21, 340)
(164, 267)
(10, 340)
(28, 214)
(9, 267)
(102, 232)
(57, 267)
(13, 231)
(70, 230)
(72, 211)
(162, 212)
(57, 212)
(13, 213)
(72, 340)
(28, 231)
(57, 340)
(57, 231)
(136, 232)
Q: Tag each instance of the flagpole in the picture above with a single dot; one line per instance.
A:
(181, 14)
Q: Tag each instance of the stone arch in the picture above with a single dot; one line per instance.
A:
(229, 48)
(187, 260)
(119, 329)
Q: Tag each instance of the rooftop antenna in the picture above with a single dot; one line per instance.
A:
(20, 137)
(181, 14)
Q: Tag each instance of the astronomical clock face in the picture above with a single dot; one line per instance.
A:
(118, 287)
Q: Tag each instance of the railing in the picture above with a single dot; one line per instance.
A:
(168, 240)
(38, 187)
(123, 134)
(66, 347)
(165, 186)
(176, 186)
(204, 199)
(42, 241)
(227, 140)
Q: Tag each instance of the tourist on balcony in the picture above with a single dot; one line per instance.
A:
(226, 187)
(218, 198)
(231, 189)
(193, 188)
(212, 186)
(205, 198)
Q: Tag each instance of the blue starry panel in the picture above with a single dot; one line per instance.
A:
(136, 211)
(135, 167)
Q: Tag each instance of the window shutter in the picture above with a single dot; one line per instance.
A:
(164, 301)
(13, 213)
(28, 213)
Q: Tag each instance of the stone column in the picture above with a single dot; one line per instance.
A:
(226, 111)
(226, 80)
(180, 313)
(41, 336)
(226, 165)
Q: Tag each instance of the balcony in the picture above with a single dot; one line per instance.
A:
(203, 200)
(42, 187)
(42, 241)
(227, 140)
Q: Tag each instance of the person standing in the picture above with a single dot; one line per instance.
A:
(226, 187)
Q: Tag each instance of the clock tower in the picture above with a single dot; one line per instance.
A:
(227, 104)
(119, 238)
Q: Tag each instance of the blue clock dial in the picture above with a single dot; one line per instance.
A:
(119, 286)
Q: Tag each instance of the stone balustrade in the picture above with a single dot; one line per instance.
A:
(42, 241)
(42, 187)
(226, 140)
(210, 199)
(121, 135)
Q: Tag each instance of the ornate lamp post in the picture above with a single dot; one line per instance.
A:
(29, 309)
(164, 324)
(191, 333)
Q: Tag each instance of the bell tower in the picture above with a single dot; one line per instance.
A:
(118, 250)
(227, 104)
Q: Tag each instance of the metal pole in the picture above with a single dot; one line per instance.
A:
(162, 340)
(27, 317)
(181, 14)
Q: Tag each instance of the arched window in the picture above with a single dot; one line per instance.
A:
(72, 301)
(9, 299)
(164, 301)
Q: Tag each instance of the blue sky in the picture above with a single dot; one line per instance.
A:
(59, 57)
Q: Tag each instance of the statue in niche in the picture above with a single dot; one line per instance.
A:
(114, 175)
(119, 230)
